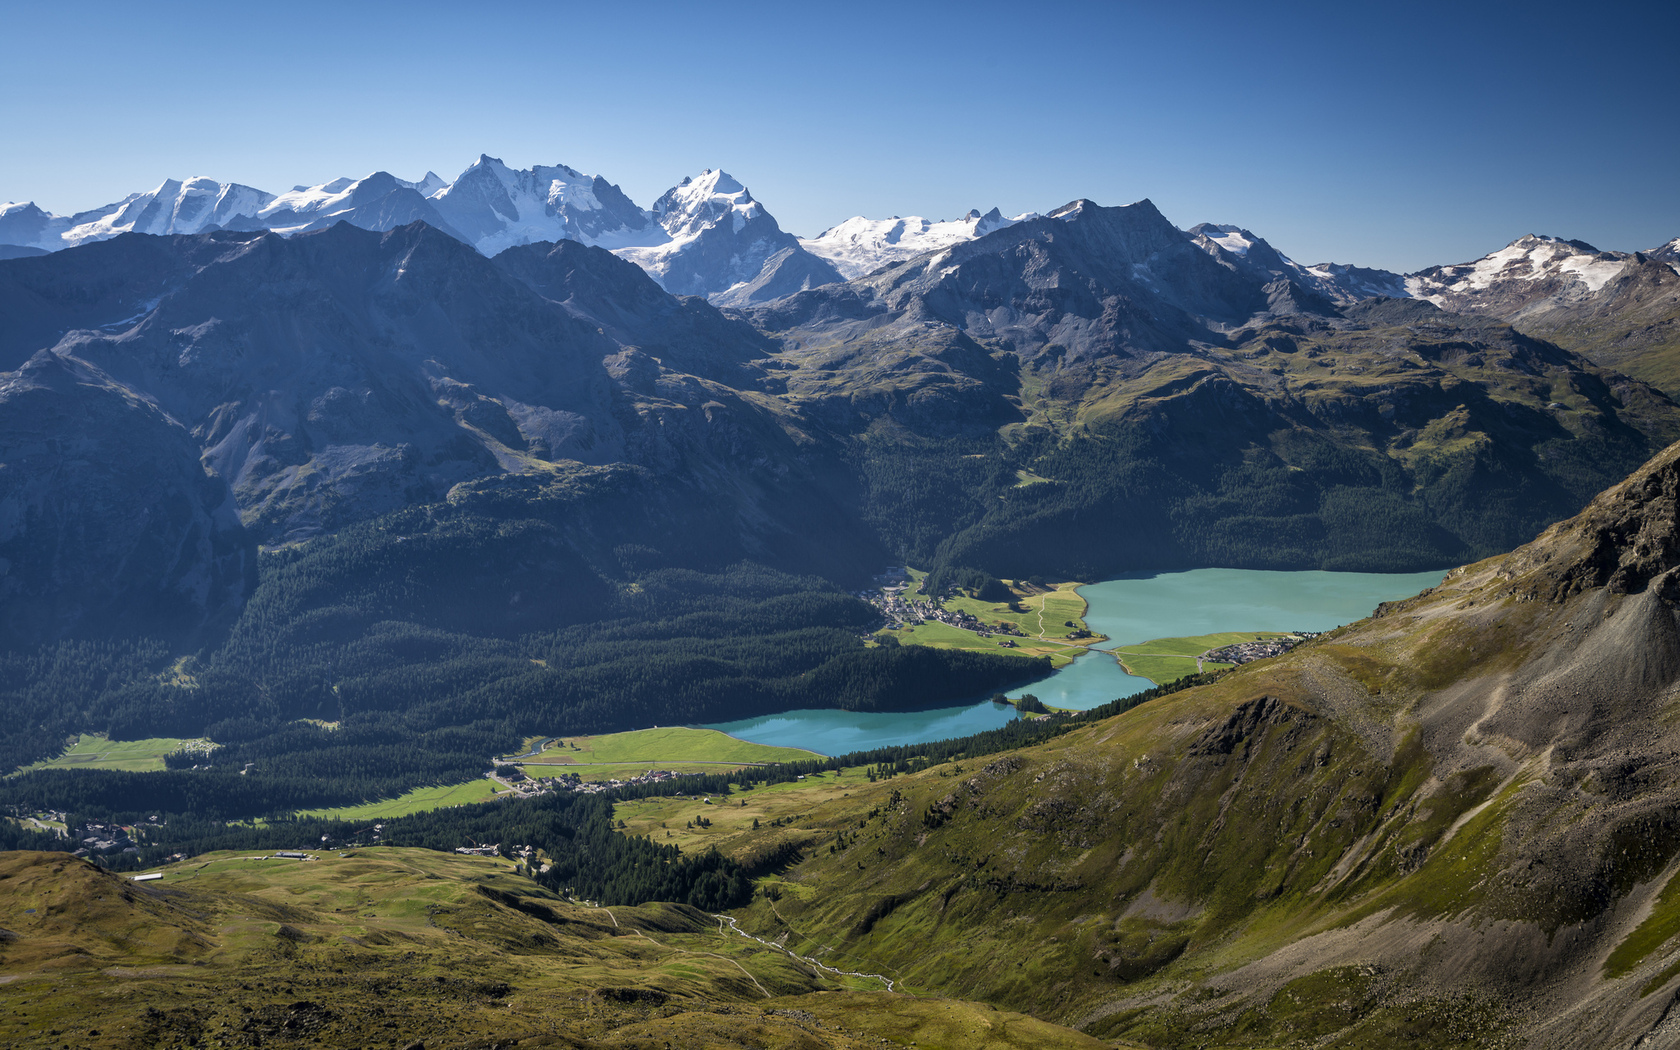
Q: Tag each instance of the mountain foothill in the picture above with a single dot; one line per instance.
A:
(367, 481)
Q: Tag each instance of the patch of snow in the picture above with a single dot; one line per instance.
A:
(1526, 259)
(1595, 271)
(1233, 239)
(859, 245)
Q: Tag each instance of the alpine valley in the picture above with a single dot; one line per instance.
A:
(336, 497)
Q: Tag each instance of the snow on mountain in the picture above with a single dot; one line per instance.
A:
(490, 206)
(1668, 253)
(859, 245)
(379, 202)
(1337, 282)
(495, 207)
(173, 207)
(720, 242)
(1529, 269)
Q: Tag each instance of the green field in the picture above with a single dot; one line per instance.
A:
(622, 770)
(1169, 659)
(661, 748)
(134, 756)
(1043, 623)
(669, 821)
(417, 801)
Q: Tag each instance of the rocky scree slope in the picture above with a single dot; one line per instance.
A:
(1456, 822)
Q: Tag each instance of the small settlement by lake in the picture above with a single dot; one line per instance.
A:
(1129, 611)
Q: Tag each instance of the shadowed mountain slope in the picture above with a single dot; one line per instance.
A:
(335, 376)
(108, 524)
(1133, 400)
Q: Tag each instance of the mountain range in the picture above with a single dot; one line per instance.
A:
(708, 236)
(1172, 401)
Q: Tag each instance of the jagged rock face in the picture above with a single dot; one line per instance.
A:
(1332, 281)
(108, 522)
(1623, 540)
(495, 207)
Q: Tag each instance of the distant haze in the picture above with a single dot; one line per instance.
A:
(1338, 132)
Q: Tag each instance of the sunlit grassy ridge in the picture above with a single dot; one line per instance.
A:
(387, 946)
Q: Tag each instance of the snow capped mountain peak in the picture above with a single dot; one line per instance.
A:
(718, 238)
(1072, 210)
(702, 201)
(859, 245)
(495, 207)
(1567, 268)
(426, 186)
(1668, 253)
(174, 206)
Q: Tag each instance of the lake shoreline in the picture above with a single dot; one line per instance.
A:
(1130, 610)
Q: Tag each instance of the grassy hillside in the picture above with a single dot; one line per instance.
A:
(388, 947)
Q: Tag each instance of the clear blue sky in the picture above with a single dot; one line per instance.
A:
(1394, 135)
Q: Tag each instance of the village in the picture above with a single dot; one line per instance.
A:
(524, 786)
(898, 611)
(1260, 649)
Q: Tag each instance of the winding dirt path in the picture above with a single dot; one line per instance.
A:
(735, 927)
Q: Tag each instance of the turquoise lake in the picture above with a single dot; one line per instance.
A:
(1129, 610)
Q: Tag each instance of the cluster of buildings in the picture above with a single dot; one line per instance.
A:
(1245, 652)
(899, 611)
(103, 838)
(573, 782)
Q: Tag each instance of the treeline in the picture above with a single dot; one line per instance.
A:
(51, 693)
(13, 835)
(587, 857)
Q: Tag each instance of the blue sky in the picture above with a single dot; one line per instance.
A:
(1394, 135)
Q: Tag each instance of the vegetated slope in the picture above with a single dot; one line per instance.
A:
(1455, 821)
(1189, 409)
(397, 946)
(108, 525)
